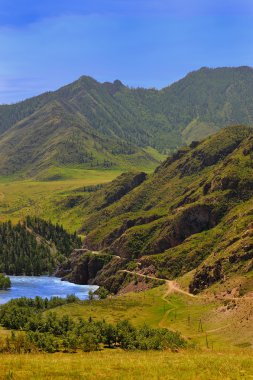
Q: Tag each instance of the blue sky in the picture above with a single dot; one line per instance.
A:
(151, 43)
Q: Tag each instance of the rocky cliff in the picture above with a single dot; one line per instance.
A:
(193, 214)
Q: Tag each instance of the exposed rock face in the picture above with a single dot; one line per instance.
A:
(207, 276)
(212, 152)
(167, 234)
(82, 266)
(111, 276)
(240, 254)
(194, 219)
(86, 267)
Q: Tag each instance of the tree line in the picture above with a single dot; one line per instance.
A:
(34, 247)
(49, 332)
(54, 233)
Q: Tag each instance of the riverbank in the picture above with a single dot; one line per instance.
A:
(43, 286)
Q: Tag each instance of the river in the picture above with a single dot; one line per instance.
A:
(43, 286)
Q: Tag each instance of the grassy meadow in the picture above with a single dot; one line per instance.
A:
(213, 354)
(115, 364)
(42, 196)
(195, 317)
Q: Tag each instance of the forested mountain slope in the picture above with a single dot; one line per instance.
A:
(110, 125)
(194, 212)
(34, 247)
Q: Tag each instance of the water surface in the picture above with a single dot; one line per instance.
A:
(43, 286)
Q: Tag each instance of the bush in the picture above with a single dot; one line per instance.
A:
(102, 293)
(71, 342)
(44, 341)
(91, 295)
(5, 282)
(89, 342)
(17, 344)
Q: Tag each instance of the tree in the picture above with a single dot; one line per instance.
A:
(102, 292)
(5, 282)
(91, 295)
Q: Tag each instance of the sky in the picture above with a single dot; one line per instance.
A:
(45, 44)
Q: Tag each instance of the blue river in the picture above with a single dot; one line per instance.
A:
(43, 286)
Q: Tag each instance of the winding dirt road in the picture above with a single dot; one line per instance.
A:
(173, 287)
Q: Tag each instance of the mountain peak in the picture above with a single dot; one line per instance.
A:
(112, 124)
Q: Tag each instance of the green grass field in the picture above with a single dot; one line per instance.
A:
(42, 196)
(191, 316)
(190, 365)
(214, 354)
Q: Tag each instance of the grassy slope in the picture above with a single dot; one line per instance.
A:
(81, 124)
(175, 311)
(54, 136)
(19, 198)
(195, 206)
(110, 125)
(220, 360)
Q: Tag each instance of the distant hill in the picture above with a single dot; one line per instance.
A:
(102, 125)
(194, 213)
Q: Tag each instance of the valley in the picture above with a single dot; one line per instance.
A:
(42, 197)
(126, 190)
(129, 191)
(192, 218)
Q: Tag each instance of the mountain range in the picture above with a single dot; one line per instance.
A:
(192, 217)
(109, 125)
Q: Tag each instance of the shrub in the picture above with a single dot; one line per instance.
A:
(101, 292)
(89, 342)
(5, 282)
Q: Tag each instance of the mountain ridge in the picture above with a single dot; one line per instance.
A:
(193, 214)
(111, 125)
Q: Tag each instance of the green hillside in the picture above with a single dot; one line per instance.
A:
(193, 213)
(108, 125)
(34, 247)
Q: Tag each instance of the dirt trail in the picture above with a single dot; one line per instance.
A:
(172, 286)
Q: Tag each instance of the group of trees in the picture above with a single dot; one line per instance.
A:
(54, 233)
(49, 332)
(34, 247)
(5, 282)
(21, 253)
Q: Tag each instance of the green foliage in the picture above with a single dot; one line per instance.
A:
(91, 295)
(35, 247)
(102, 293)
(179, 216)
(20, 253)
(5, 282)
(24, 313)
(63, 241)
(50, 333)
(45, 342)
(17, 344)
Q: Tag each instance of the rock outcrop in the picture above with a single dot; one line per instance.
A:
(82, 266)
